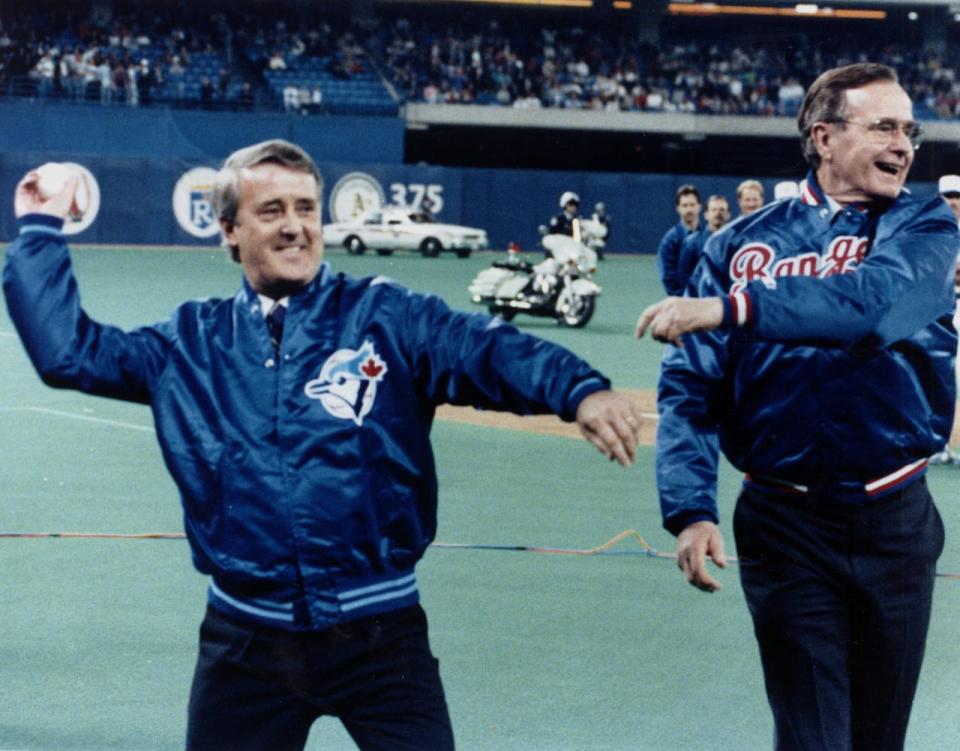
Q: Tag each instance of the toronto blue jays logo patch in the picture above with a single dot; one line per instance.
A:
(347, 384)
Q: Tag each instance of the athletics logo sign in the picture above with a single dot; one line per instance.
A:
(347, 384)
(354, 194)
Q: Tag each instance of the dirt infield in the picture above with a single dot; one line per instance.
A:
(646, 399)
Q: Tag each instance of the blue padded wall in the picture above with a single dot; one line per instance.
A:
(138, 156)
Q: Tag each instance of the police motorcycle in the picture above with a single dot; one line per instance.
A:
(559, 287)
(593, 234)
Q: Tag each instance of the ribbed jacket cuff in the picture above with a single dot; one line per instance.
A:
(580, 392)
(44, 223)
(737, 310)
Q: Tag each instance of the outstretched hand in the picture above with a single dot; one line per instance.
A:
(28, 200)
(694, 544)
(611, 422)
(673, 317)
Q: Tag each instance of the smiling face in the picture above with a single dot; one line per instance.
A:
(749, 200)
(859, 163)
(277, 229)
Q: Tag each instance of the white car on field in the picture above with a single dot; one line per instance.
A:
(403, 228)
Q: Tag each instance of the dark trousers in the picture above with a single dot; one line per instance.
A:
(840, 597)
(260, 689)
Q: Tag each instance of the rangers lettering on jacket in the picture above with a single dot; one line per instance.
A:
(757, 262)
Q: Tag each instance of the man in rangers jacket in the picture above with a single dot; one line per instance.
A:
(824, 370)
(295, 420)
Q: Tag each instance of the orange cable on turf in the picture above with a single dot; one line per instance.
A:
(95, 535)
(604, 549)
(645, 548)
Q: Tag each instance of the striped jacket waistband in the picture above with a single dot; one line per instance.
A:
(350, 599)
(852, 492)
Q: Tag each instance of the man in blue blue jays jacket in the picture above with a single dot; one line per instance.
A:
(823, 368)
(295, 420)
(716, 215)
(687, 201)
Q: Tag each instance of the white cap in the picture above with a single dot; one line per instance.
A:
(785, 189)
(949, 184)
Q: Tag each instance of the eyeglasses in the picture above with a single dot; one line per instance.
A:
(885, 130)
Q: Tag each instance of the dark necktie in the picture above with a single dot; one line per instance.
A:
(275, 323)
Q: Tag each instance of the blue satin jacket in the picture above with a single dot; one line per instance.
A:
(306, 473)
(668, 256)
(835, 366)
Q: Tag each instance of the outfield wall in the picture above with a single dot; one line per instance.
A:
(138, 156)
(36, 126)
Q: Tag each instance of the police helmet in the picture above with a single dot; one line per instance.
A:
(567, 197)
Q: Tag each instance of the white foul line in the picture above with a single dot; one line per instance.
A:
(88, 418)
(146, 428)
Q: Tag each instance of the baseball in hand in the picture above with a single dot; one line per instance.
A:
(52, 179)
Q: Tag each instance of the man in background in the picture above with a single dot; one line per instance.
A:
(602, 217)
(563, 222)
(717, 215)
(949, 189)
(687, 202)
(749, 196)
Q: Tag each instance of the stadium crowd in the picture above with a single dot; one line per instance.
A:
(573, 68)
(289, 63)
(133, 59)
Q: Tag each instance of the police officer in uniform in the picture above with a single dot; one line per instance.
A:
(601, 216)
(562, 223)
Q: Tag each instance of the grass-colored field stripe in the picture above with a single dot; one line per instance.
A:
(560, 653)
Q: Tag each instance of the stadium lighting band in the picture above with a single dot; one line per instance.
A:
(545, 3)
(802, 10)
(622, 5)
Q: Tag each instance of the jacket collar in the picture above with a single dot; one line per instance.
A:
(811, 194)
(249, 297)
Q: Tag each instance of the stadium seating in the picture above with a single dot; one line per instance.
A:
(373, 70)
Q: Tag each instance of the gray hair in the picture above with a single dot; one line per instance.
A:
(826, 99)
(226, 190)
